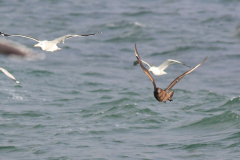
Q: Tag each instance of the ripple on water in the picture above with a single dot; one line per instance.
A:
(114, 102)
(125, 24)
(176, 50)
(226, 18)
(4, 149)
(140, 13)
(67, 99)
(90, 84)
(101, 90)
(131, 36)
(40, 73)
(23, 114)
(130, 93)
(92, 74)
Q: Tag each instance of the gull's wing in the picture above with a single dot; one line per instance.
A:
(184, 74)
(62, 39)
(168, 62)
(144, 69)
(8, 35)
(8, 74)
(136, 63)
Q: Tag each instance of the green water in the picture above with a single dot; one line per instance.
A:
(88, 101)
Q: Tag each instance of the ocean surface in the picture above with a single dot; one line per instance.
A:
(88, 101)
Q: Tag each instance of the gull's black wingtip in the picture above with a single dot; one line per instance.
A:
(97, 33)
(3, 34)
(205, 59)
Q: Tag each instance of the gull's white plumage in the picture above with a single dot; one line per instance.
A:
(160, 69)
(50, 46)
(8, 74)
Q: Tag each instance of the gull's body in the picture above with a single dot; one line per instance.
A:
(8, 74)
(160, 69)
(50, 46)
(160, 94)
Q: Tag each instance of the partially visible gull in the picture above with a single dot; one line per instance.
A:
(18, 51)
(11, 49)
(160, 69)
(50, 46)
(8, 74)
(160, 94)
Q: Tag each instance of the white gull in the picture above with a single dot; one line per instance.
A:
(50, 46)
(160, 69)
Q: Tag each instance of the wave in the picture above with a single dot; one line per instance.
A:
(233, 102)
(176, 50)
(130, 93)
(5, 148)
(219, 122)
(92, 74)
(23, 114)
(124, 24)
(90, 84)
(101, 90)
(67, 99)
(131, 36)
(40, 73)
(140, 13)
(226, 18)
(114, 102)
(226, 116)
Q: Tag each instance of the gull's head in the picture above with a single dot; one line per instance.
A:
(40, 44)
(153, 69)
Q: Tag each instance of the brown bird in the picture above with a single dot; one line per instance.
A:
(160, 94)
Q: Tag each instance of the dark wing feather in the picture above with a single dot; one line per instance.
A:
(90, 34)
(63, 38)
(184, 74)
(144, 69)
(4, 34)
(8, 35)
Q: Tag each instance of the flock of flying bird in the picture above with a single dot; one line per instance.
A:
(160, 94)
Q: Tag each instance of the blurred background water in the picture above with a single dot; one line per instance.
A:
(88, 101)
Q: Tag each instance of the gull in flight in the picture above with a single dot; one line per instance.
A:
(157, 71)
(8, 74)
(50, 46)
(160, 94)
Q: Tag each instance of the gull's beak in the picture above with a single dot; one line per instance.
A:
(35, 45)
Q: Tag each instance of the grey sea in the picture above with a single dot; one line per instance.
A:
(88, 101)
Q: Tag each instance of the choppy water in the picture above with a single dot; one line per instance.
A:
(88, 101)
